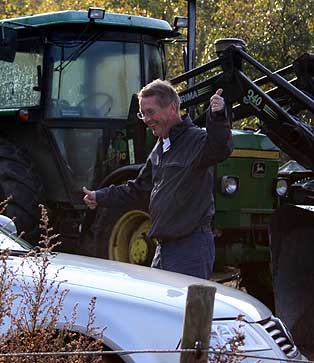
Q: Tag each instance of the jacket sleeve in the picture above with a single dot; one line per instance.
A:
(218, 144)
(133, 192)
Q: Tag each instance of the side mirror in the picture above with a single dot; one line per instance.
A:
(8, 225)
(7, 43)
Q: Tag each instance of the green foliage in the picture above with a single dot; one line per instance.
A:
(275, 31)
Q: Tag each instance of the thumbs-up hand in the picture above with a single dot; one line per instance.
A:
(90, 198)
(217, 102)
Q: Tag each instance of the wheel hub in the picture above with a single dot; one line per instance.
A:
(128, 242)
(138, 247)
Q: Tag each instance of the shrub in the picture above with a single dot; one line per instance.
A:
(31, 305)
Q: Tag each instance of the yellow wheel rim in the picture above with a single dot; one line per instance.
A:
(127, 241)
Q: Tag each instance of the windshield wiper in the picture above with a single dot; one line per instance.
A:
(77, 52)
(16, 252)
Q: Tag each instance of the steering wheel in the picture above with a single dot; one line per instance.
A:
(96, 104)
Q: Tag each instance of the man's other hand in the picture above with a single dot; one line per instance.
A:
(90, 198)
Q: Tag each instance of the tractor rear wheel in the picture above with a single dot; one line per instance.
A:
(121, 235)
(294, 284)
(292, 249)
(19, 181)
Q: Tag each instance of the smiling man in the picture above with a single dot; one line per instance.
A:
(178, 178)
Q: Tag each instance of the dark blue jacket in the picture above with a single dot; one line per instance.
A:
(179, 182)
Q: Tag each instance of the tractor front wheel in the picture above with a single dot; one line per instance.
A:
(123, 236)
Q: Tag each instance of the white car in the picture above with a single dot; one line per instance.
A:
(143, 308)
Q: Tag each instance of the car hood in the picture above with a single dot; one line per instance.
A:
(145, 283)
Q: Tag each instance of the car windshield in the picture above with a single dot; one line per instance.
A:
(292, 166)
(12, 243)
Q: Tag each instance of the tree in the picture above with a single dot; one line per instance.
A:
(276, 31)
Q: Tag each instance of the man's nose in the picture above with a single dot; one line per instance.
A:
(146, 118)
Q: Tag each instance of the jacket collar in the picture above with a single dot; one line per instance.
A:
(179, 128)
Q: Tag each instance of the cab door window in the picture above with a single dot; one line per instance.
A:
(19, 80)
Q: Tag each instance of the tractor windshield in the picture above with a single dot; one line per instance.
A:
(99, 81)
(96, 82)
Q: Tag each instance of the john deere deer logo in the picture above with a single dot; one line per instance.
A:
(258, 169)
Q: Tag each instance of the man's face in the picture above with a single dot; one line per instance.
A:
(158, 119)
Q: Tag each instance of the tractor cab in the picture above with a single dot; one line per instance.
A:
(76, 75)
(68, 105)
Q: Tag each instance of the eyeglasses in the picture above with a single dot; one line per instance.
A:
(142, 115)
(150, 113)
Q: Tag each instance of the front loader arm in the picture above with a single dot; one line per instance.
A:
(277, 107)
(201, 92)
(292, 135)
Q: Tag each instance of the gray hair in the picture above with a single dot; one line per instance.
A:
(164, 92)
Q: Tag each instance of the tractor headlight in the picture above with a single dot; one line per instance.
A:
(229, 184)
(96, 13)
(281, 187)
(244, 334)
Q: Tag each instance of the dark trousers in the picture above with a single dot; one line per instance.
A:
(193, 255)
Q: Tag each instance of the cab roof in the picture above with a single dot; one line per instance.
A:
(68, 17)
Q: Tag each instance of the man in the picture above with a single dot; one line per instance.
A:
(178, 176)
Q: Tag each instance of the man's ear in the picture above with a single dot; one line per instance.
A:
(173, 107)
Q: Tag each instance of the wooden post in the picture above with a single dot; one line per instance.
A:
(197, 322)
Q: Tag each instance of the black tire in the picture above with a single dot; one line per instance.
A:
(294, 283)
(256, 278)
(121, 235)
(19, 181)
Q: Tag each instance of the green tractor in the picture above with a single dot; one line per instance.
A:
(245, 195)
(67, 111)
(68, 119)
